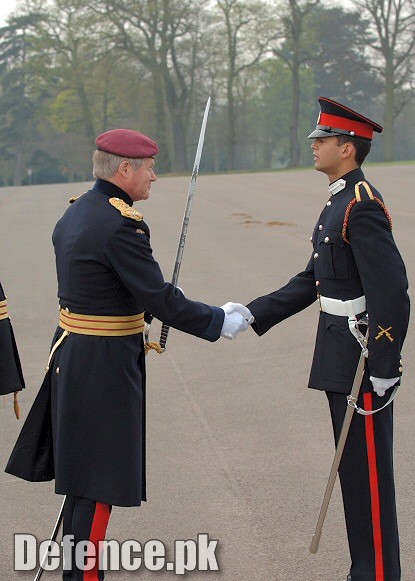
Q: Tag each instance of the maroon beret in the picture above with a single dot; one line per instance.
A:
(127, 143)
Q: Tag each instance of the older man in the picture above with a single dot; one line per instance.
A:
(92, 403)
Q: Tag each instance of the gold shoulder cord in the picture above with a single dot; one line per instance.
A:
(358, 198)
(367, 188)
(16, 405)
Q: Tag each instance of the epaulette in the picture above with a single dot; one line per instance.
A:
(125, 210)
(74, 198)
(358, 198)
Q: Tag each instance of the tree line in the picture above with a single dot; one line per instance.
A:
(71, 69)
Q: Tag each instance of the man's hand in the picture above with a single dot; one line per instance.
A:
(381, 385)
(237, 307)
(237, 319)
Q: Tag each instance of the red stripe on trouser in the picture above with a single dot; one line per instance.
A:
(374, 488)
(98, 530)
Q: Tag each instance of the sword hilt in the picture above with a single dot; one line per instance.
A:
(163, 335)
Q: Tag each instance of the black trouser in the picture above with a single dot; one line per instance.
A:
(86, 520)
(366, 478)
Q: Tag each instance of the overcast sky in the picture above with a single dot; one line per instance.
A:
(6, 6)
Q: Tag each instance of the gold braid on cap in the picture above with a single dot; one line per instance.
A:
(358, 198)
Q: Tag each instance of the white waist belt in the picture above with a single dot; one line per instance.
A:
(343, 308)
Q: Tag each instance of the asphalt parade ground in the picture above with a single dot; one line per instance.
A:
(238, 447)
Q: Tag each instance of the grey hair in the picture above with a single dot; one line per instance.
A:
(105, 165)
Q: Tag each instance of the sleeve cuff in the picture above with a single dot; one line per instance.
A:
(212, 332)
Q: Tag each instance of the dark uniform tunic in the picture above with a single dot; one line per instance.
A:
(11, 376)
(354, 254)
(369, 265)
(92, 403)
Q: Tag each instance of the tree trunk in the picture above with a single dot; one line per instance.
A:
(86, 115)
(18, 167)
(388, 149)
(295, 150)
(231, 138)
(179, 142)
(164, 163)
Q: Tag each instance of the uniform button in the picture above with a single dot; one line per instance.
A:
(328, 203)
(317, 282)
(320, 227)
(400, 370)
(316, 255)
(57, 371)
(326, 239)
(66, 309)
(311, 238)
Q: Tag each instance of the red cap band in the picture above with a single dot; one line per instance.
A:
(360, 129)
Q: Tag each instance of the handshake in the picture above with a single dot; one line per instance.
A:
(237, 319)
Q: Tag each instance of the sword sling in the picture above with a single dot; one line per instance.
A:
(351, 399)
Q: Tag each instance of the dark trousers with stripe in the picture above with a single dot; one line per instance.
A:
(86, 520)
(367, 483)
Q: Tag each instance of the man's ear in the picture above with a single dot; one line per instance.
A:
(348, 150)
(123, 167)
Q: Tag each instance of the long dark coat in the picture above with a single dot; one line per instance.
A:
(11, 376)
(350, 258)
(91, 406)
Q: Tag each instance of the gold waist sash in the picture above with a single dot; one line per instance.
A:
(104, 326)
(3, 310)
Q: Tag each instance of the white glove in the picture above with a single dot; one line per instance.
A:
(237, 307)
(233, 324)
(381, 385)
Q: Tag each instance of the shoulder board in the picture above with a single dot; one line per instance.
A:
(125, 210)
(358, 198)
(74, 198)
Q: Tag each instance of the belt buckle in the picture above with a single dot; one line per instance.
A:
(319, 302)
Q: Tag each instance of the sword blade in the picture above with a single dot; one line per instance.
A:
(185, 225)
(52, 538)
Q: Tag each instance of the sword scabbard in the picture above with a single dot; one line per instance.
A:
(352, 398)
